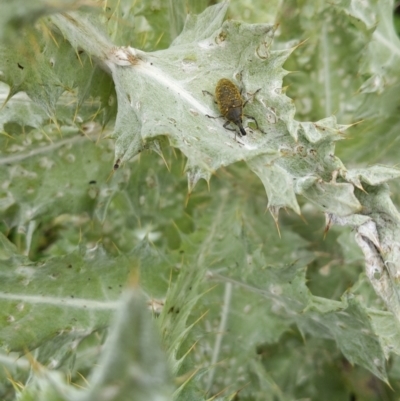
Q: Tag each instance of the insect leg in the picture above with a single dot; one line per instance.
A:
(229, 129)
(210, 94)
(214, 117)
(258, 127)
(242, 131)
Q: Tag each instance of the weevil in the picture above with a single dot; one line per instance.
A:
(230, 104)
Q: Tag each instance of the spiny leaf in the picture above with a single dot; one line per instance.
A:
(71, 289)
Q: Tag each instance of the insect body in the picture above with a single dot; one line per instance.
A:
(230, 103)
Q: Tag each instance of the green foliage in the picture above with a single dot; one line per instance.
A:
(114, 175)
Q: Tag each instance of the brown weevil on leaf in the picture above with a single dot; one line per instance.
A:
(230, 104)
